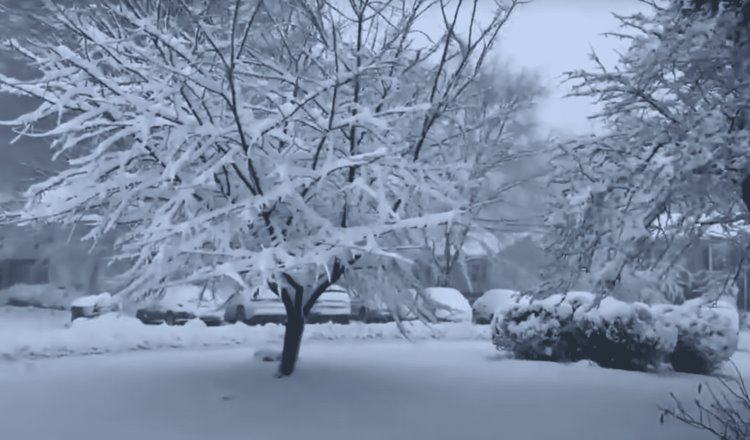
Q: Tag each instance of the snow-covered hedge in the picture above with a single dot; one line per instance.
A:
(541, 330)
(626, 336)
(694, 337)
(113, 333)
(708, 334)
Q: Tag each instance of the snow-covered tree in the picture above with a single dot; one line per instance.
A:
(674, 158)
(266, 142)
(493, 131)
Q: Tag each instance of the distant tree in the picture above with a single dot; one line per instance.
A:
(675, 155)
(266, 142)
(491, 132)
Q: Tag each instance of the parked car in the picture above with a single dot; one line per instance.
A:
(379, 309)
(179, 304)
(368, 308)
(334, 305)
(91, 306)
(444, 304)
(492, 302)
(259, 306)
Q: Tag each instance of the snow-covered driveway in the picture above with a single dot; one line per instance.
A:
(343, 390)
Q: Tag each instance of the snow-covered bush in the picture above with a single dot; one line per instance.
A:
(708, 334)
(568, 328)
(614, 334)
(496, 302)
(627, 336)
(542, 330)
(695, 337)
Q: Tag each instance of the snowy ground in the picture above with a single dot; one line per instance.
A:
(364, 385)
(32, 333)
(343, 390)
(27, 333)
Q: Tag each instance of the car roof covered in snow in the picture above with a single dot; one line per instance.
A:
(91, 300)
(448, 296)
(496, 297)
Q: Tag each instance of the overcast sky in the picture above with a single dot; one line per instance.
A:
(554, 36)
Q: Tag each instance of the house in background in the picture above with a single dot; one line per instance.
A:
(20, 259)
(514, 261)
(720, 254)
(50, 254)
(519, 266)
(506, 255)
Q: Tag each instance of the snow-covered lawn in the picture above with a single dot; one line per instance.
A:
(343, 390)
(27, 333)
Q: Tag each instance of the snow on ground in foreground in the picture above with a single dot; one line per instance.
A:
(113, 333)
(363, 390)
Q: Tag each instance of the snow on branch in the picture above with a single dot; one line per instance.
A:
(267, 140)
(675, 144)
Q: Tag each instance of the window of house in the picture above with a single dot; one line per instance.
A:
(719, 256)
(477, 270)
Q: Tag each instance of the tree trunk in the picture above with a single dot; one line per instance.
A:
(295, 326)
(746, 192)
(296, 311)
(92, 286)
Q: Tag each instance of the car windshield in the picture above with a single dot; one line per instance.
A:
(335, 293)
(189, 296)
(264, 294)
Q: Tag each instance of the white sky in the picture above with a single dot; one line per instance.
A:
(555, 36)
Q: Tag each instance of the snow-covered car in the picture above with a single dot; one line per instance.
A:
(334, 305)
(258, 306)
(92, 306)
(444, 304)
(492, 302)
(179, 304)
